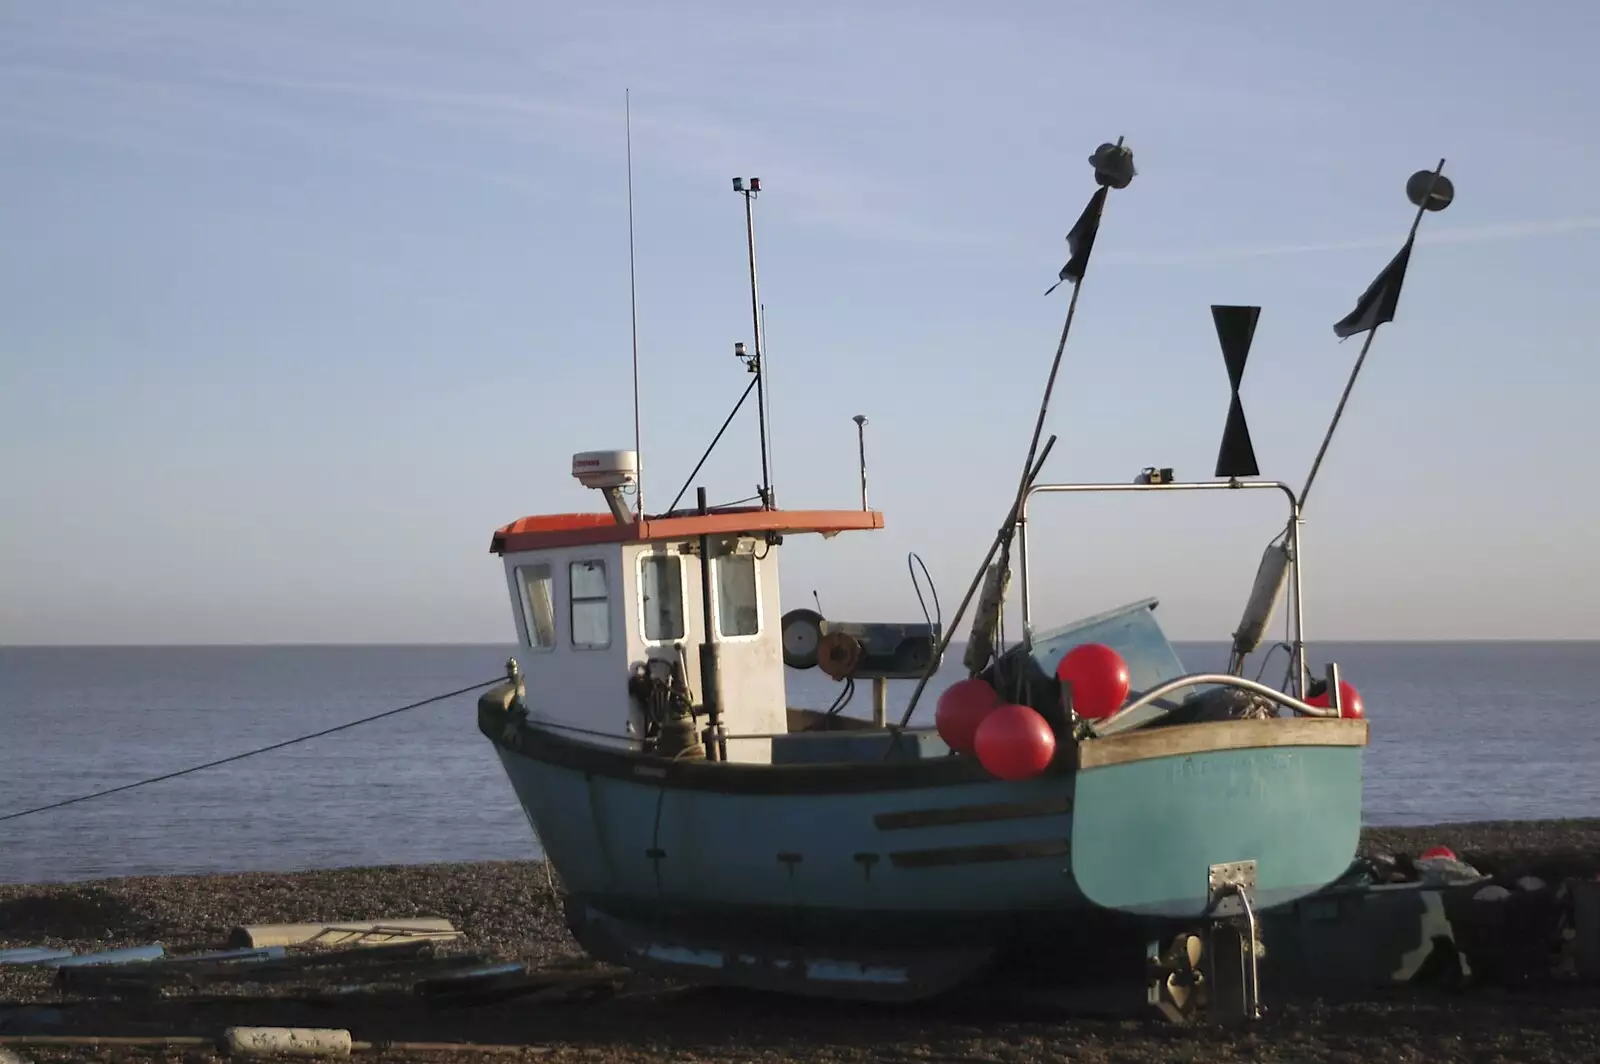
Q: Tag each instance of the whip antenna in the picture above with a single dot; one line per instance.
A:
(633, 312)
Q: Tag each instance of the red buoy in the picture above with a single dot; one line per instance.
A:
(1439, 851)
(960, 709)
(1349, 701)
(1015, 742)
(1099, 679)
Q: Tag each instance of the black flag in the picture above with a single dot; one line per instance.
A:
(1236, 328)
(1081, 240)
(1378, 302)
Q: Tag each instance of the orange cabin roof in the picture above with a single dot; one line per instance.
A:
(576, 530)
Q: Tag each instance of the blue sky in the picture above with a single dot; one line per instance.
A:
(302, 300)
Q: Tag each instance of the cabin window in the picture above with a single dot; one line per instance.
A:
(738, 612)
(538, 605)
(591, 605)
(661, 595)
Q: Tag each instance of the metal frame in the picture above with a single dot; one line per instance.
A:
(1120, 720)
(1299, 651)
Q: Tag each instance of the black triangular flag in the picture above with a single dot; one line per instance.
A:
(1080, 241)
(1236, 329)
(1378, 302)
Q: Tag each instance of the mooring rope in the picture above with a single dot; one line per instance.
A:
(250, 753)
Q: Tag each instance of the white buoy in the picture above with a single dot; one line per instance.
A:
(1271, 577)
(287, 1042)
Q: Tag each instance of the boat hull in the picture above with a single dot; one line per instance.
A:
(899, 877)
(975, 847)
(870, 955)
(1165, 815)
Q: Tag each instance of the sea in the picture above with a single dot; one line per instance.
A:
(1460, 732)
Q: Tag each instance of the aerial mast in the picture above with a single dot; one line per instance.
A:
(755, 363)
(633, 312)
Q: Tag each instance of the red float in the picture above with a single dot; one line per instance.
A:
(1015, 742)
(1099, 679)
(1350, 706)
(1439, 851)
(961, 708)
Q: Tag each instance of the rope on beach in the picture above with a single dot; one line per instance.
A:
(251, 753)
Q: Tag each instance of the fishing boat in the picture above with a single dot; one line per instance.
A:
(1082, 797)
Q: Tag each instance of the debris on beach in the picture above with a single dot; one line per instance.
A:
(514, 983)
(370, 932)
(286, 1042)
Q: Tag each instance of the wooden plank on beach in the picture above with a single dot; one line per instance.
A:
(333, 933)
(353, 967)
(90, 1041)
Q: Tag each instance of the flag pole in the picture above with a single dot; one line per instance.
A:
(1113, 165)
(944, 641)
(1002, 539)
(1422, 194)
(1338, 411)
(1044, 405)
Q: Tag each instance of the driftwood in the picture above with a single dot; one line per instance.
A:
(338, 933)
(360, 965)
(94, 1041)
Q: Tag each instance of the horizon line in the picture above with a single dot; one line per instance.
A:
(405, 644)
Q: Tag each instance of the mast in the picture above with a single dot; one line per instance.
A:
(758, 366)
(1113, 168)
(633, 312)
(1428, 190)
(710, 664)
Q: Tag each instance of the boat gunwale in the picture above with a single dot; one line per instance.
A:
(1183, 740)
(547, 746)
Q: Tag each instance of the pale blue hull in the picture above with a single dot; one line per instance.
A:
(1136, 837)
(1150, 829)
(819, 850)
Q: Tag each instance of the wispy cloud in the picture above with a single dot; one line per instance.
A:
(141, 131)
(1463, 235)
(678, 136)
(128, 141)
(800, 96)
(681, 138)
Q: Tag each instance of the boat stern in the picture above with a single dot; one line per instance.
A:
(1169, 821)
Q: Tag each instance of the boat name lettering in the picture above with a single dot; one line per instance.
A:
(1248, 775)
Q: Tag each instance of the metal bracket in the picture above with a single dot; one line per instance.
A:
(1232, 894)
(1225, 883)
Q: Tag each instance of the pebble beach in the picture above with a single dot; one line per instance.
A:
(508, 910)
